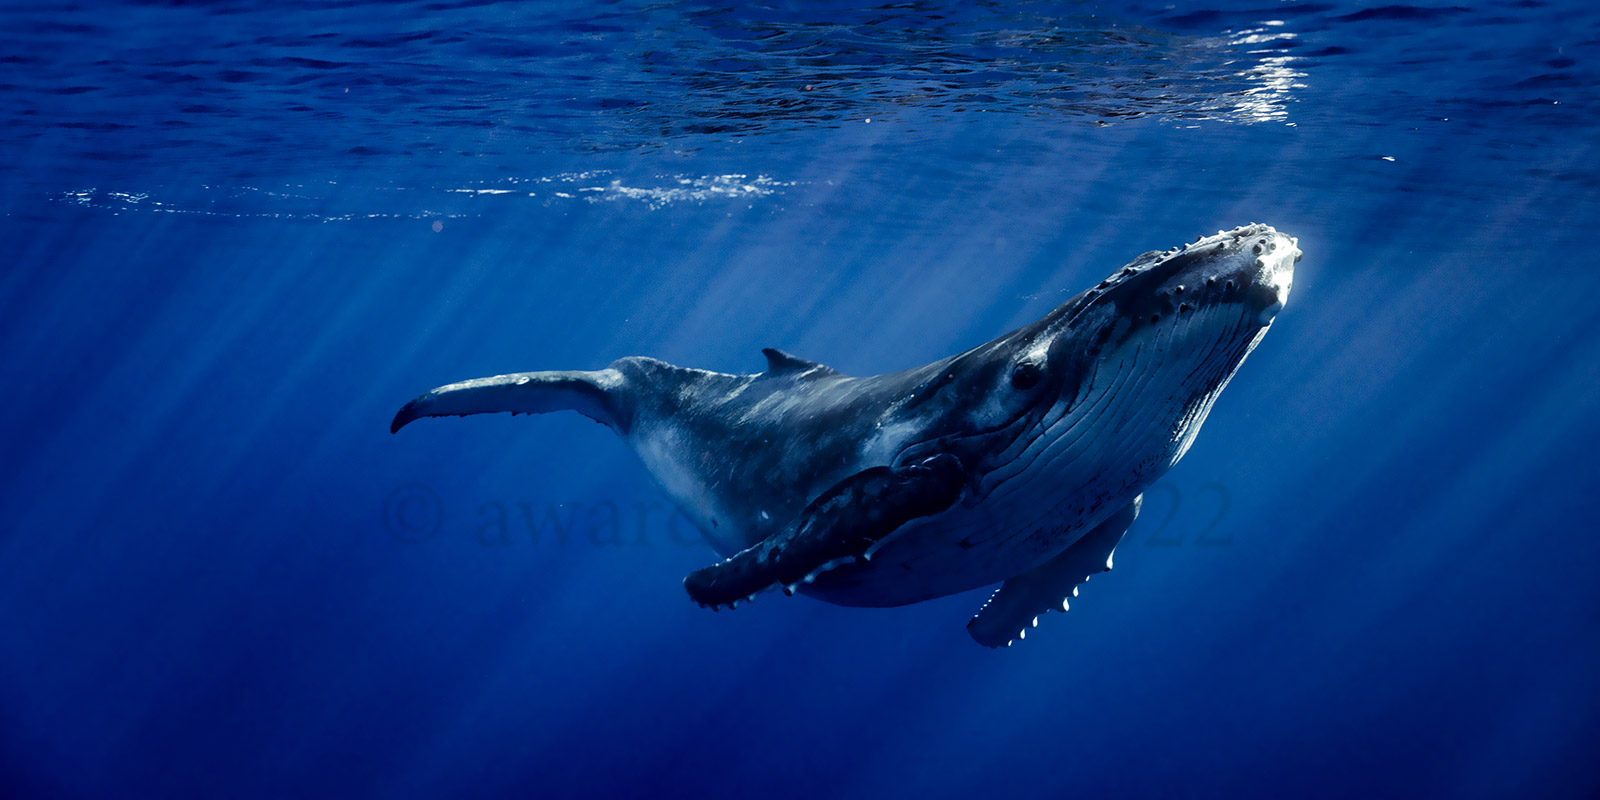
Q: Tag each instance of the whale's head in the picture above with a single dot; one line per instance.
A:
(1146, 352)
(1112, 385)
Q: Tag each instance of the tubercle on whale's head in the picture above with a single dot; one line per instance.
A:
(1250, 267)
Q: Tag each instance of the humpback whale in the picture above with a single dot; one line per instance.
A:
(1021, 461)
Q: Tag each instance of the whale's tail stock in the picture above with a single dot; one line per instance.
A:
(593, 393)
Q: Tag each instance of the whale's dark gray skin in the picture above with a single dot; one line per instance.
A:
(1019, 461)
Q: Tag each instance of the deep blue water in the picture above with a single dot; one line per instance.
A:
(239, 236)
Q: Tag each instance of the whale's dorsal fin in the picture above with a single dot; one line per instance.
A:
(781, 363)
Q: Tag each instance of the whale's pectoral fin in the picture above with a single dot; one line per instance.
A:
(837, 528)
(1016, 605)
(594, 394)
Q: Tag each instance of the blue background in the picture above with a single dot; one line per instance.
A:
(239, 236)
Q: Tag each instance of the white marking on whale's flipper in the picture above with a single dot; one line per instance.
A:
(1018, 603)
(833, 530)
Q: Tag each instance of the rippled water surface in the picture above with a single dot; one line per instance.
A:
(240, 235)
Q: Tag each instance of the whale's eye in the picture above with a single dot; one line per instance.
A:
(1025, 376)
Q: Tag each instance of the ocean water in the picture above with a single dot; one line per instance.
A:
(238, 236)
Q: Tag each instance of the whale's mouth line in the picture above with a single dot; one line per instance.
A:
(915, 449)
(1049, 429)
(1042, 421)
